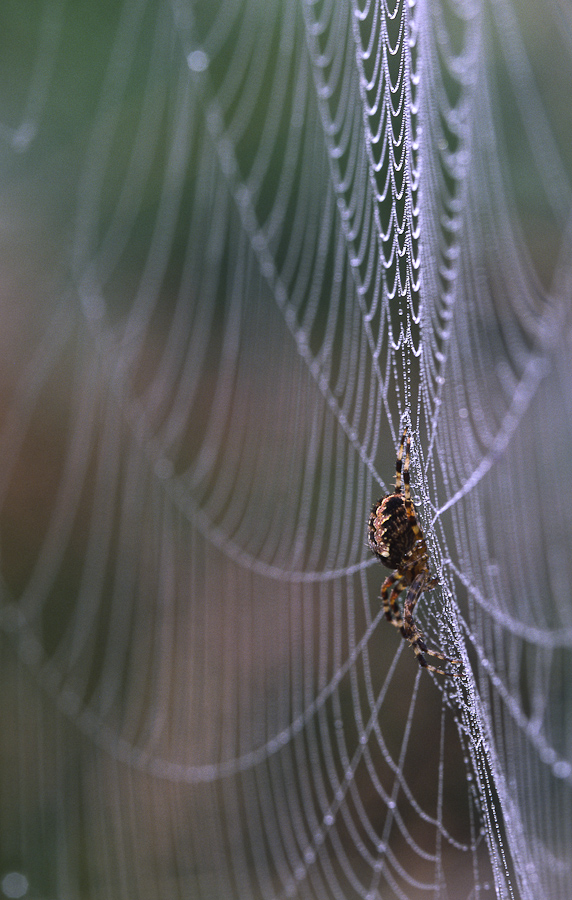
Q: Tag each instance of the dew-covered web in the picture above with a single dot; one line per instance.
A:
(244, 244)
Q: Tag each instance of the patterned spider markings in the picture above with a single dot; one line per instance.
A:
(396, 538)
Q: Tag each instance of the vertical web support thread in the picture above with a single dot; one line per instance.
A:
(387, 58)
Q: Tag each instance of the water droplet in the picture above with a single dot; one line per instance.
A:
(197, 61)
(562, 769)
(14, 885)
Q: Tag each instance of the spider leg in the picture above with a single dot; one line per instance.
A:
(412, 632)
(399, 465)
(406, 488)
(390, 591)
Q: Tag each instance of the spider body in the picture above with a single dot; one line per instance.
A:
(396, 538)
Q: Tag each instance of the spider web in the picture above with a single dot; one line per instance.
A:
(244, 244)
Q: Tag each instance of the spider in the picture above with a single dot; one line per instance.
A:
(396, 538)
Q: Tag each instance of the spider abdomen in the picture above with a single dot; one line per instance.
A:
(391, 536)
